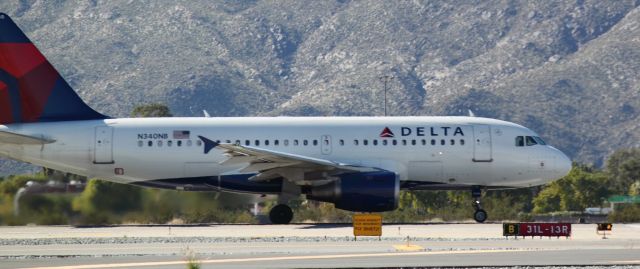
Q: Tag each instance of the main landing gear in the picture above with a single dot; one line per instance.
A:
(479, 215)
(281, 214)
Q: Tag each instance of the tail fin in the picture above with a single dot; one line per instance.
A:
(31, 90)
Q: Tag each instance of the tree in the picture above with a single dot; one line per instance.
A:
(634, 189)
(583, 187)
(102, 201)
(623, 167)
(151, 110)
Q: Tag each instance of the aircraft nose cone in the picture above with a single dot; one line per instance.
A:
(563, 164)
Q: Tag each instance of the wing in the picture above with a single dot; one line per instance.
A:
(272, 164)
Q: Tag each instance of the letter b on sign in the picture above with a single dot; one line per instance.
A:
(510, 229)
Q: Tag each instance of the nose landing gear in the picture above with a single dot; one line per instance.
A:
(479, 215)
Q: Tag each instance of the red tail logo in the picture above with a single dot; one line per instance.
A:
(31, 90)
(386, 132)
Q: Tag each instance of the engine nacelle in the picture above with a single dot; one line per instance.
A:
(365, 192)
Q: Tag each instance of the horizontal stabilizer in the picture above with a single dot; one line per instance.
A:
(13, 138)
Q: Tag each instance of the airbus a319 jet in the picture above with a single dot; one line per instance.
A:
(357, 163)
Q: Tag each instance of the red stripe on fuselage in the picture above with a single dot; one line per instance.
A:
(19, 58)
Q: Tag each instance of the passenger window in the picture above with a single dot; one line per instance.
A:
(266, 142)
(199, 143)
(442, 142)
(433, 142)
(519, 141)
(140, 143)
(531, 141)
(237, 142)
(150, 143)
(286, 142)
(341, 142)
(413, 142)
(159, 143)
(169, 143)
(276, 142)
(365, 142)
(384, 142)
(424, 142)
(247, 142)
(189, 143)
(375, 142)
(228, 141)
(295, 142)
(395, 142)
(404, 142)
(462, 142)
(256, 143)
(305, 142)
(315, 142)
(179, 143)
(355, 142)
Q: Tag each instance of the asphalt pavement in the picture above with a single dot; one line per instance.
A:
(310, 246)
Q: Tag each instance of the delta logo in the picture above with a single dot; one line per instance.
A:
(386, 132)
(424, 131)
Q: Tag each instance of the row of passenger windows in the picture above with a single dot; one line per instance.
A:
(305, 142)
(341, 142)
(169, 143)
(521, 141)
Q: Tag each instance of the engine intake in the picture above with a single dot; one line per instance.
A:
(365, 192)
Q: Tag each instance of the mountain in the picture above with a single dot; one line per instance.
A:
(567, 69)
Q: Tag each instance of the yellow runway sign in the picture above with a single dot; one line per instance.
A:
(367, 225)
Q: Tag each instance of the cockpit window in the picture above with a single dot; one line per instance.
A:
(539, 140)
(531, 141)
(519, 141)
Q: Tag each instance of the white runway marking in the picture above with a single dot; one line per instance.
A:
(281, 258)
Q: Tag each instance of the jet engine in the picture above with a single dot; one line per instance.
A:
(364, 192)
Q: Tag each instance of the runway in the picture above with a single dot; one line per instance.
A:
(309, 246)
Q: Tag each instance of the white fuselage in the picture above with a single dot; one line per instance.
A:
(449, 150)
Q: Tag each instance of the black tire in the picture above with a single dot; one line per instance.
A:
(281, 214)
(480, 215)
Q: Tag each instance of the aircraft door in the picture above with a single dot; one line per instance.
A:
(103, 145)
(482, 143)
(325, 143)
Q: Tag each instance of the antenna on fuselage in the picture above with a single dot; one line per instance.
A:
(206, 114)
(471, 114)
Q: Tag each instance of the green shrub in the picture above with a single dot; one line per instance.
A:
(626, 213)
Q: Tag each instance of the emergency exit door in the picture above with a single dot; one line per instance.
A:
(482, 143)
(103, 145)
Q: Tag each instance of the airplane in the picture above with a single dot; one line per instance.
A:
(357, 163)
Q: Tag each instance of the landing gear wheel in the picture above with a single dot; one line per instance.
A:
(281, 214)
(480, 215)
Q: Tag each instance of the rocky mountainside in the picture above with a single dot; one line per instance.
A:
(567, 69)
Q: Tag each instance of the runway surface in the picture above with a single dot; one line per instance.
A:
(309, 246)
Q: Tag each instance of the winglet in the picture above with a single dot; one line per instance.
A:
(208, 144)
